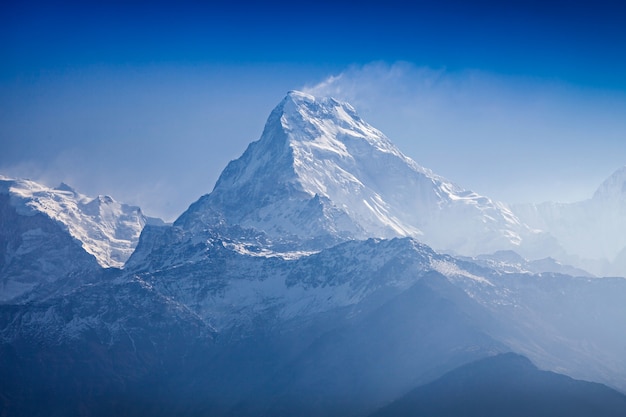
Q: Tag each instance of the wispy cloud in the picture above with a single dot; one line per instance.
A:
(514, 138)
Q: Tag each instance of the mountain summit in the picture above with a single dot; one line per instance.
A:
(320, 174)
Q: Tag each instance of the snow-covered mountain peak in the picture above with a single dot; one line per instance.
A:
(321, 173)
(107, 229)
(326, 123)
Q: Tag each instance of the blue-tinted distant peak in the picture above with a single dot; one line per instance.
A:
(614, 186)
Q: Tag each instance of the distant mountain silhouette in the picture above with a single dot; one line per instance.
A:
(507, 385)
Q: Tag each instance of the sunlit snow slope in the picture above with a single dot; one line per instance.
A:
(319, 173)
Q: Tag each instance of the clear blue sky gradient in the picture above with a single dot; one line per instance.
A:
(148, 101)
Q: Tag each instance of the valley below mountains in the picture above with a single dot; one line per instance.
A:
(326, 274)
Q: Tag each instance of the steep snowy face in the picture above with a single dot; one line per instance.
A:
(319, 172)
(106, 229)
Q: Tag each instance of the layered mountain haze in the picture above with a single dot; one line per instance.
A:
(305, 283)
(267, 238)
(506, 385)
(592, 232)
(320, 174)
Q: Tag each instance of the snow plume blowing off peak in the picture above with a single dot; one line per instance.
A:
(320, 174)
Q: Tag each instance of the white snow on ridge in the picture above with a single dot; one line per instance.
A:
(244, 249)
(452, 270)
(107, 229)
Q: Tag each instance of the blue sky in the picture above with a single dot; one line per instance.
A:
(148, 101)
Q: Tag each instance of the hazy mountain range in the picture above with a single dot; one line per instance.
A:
(326, 274)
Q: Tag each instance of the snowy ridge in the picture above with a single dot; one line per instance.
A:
(452, 270)
(510, 262)
(107, 229)
(321, 174)
(228, 284)
(242, 285)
